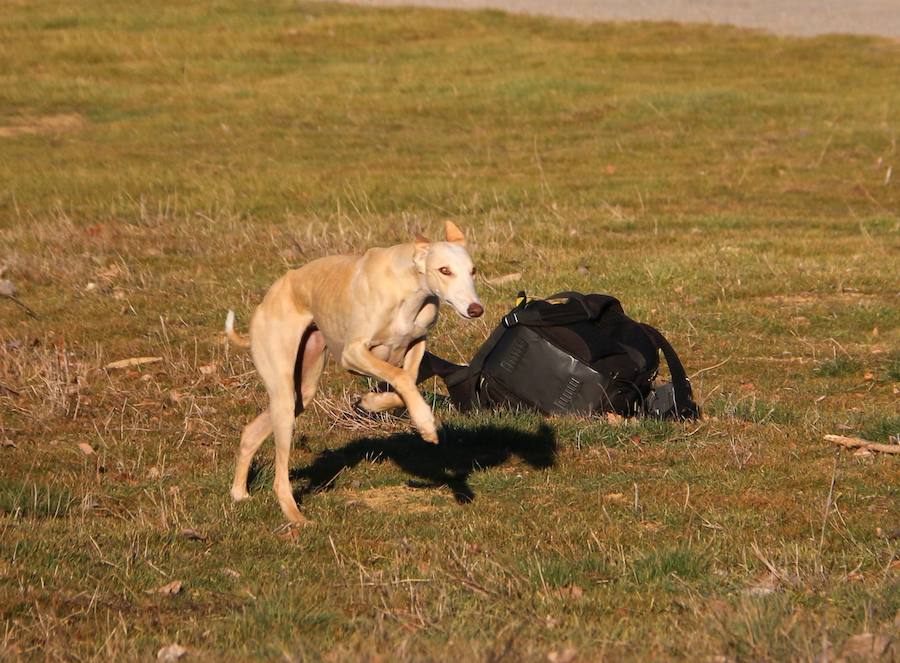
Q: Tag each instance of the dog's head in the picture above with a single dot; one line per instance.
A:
(449, 272)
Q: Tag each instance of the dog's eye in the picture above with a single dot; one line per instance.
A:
(445, 271)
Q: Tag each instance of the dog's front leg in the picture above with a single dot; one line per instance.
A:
(379, 401)
(357, 357)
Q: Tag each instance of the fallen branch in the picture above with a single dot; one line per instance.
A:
(504, 279)
(859, 443)
(8, 290)
(134, 361)
(24, 307)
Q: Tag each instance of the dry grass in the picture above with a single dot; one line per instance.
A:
(735, 190)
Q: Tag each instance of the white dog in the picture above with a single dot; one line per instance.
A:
(373, 313)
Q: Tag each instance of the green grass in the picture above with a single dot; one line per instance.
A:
(838, 367)
(163, 163)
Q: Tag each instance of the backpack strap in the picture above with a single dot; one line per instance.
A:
(477, 363)
(432, 365)
(462, 381)
(577, 308)
(685, 407)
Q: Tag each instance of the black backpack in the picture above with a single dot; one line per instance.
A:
(571, 353)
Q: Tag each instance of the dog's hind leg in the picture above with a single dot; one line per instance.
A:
(276, 343)
(309, 368)
(252, 437)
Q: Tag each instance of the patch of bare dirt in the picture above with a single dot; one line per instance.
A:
(393, 498)
(45, 124)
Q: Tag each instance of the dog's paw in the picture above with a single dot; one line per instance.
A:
(365, 402)
(239, 495)
(382, 401)
(360, 409)
(430, 436)
(302, 522)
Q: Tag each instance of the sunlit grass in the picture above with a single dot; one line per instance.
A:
(163, 163)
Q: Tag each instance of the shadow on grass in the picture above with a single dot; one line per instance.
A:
(461, 452)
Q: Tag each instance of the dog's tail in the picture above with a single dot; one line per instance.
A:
(233, 336)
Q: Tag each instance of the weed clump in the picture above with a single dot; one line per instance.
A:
(840, 366)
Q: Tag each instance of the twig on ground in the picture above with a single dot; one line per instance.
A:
(8, 290)
(858, 442)
(133, 361)
(709, 368)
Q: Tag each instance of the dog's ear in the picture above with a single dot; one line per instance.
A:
(453, 233)
(421, 239)
(420, 252)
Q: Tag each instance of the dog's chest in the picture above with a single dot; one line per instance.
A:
(410, 324)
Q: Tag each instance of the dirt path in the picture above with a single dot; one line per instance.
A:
(789, 17)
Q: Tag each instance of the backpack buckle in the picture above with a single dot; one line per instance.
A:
(510, 320)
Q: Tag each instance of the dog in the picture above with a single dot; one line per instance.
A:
(373, 313)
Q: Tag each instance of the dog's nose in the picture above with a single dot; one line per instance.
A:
(475, 310)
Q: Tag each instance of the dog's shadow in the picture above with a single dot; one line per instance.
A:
(461, 452)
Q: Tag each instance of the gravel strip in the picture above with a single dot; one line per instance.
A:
(787, 17)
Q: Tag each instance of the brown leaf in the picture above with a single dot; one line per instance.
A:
(289, 534)
(171, 653)
(866, 646)
(566, 655)
(110, 273)
(132, 361)
(570, 592)
(169, 589)
(192, 534)
(86, 448)
(765, 584)
(614, 419)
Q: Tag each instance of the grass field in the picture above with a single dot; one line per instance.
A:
(163, 162)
